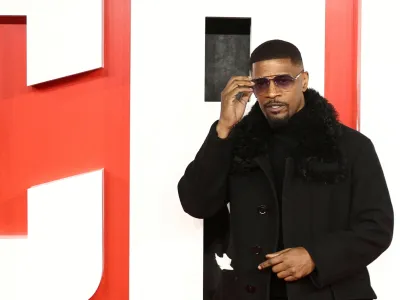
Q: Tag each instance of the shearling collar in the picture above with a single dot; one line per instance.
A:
(317, 157)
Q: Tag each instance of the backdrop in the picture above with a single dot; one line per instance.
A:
(141, 116)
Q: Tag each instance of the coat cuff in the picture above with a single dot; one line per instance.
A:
(213, 135)
(315, 276)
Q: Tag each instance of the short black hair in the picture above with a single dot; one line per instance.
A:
(276, 49)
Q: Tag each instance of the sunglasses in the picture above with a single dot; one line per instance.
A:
(282, 82)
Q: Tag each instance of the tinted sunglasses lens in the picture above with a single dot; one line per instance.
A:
(261, 85)
(283, 81)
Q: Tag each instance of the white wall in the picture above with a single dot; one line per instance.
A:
(379, 117)
(62, 255)
(169, 121)
(64, 37)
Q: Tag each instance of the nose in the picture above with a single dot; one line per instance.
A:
(273, 91)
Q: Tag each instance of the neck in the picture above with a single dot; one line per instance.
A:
(294, 125)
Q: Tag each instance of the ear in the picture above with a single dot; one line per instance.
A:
(305, 77)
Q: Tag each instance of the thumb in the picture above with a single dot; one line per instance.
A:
(271, 255)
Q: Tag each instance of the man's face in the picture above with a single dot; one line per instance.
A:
(281, 96)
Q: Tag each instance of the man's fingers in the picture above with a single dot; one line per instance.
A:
(273, 259)
(285, 273)
(270, 262)
(232, 89)
(244, 90)
(271, 255)
(238, 78)
(279, 268)
(290, 278)
(237, 83)
(245, 98)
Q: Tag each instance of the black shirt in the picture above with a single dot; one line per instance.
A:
(281, 143)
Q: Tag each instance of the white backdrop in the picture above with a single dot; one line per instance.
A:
(169, 121)
(379, 114)
(57, 46)
(62, 255)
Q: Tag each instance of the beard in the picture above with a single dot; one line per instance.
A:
(277, 122)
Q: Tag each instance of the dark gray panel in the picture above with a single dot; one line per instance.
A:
(226, 56)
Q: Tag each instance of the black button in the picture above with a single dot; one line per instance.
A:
(256, 249)
(262, 209)
(250, 289)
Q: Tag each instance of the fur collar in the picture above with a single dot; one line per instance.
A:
(317, 156)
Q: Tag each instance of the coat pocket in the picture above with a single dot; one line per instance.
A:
(241, 286)
(355, 287)
(226, 286)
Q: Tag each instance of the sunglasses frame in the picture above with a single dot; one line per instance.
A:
(272, 79)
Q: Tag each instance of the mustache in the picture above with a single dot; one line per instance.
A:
(274, 103)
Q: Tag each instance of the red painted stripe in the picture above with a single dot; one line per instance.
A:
(66, 127)
(342, 58)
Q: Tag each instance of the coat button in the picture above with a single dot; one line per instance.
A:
(256, 249)
(262, 209)
(250, 289)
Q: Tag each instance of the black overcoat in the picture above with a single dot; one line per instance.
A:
(335, 204)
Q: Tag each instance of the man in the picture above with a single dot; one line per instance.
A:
(309, 205)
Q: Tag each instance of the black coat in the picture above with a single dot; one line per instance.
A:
(335, 203)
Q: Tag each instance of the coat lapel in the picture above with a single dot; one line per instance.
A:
(317, 157)
(265, 165)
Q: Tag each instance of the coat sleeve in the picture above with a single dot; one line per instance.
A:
(203, 187)
(370, 233)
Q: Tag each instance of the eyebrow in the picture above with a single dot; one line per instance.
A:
(274, 75)
(294, 76)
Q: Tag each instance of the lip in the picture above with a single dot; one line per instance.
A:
(275, 109)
